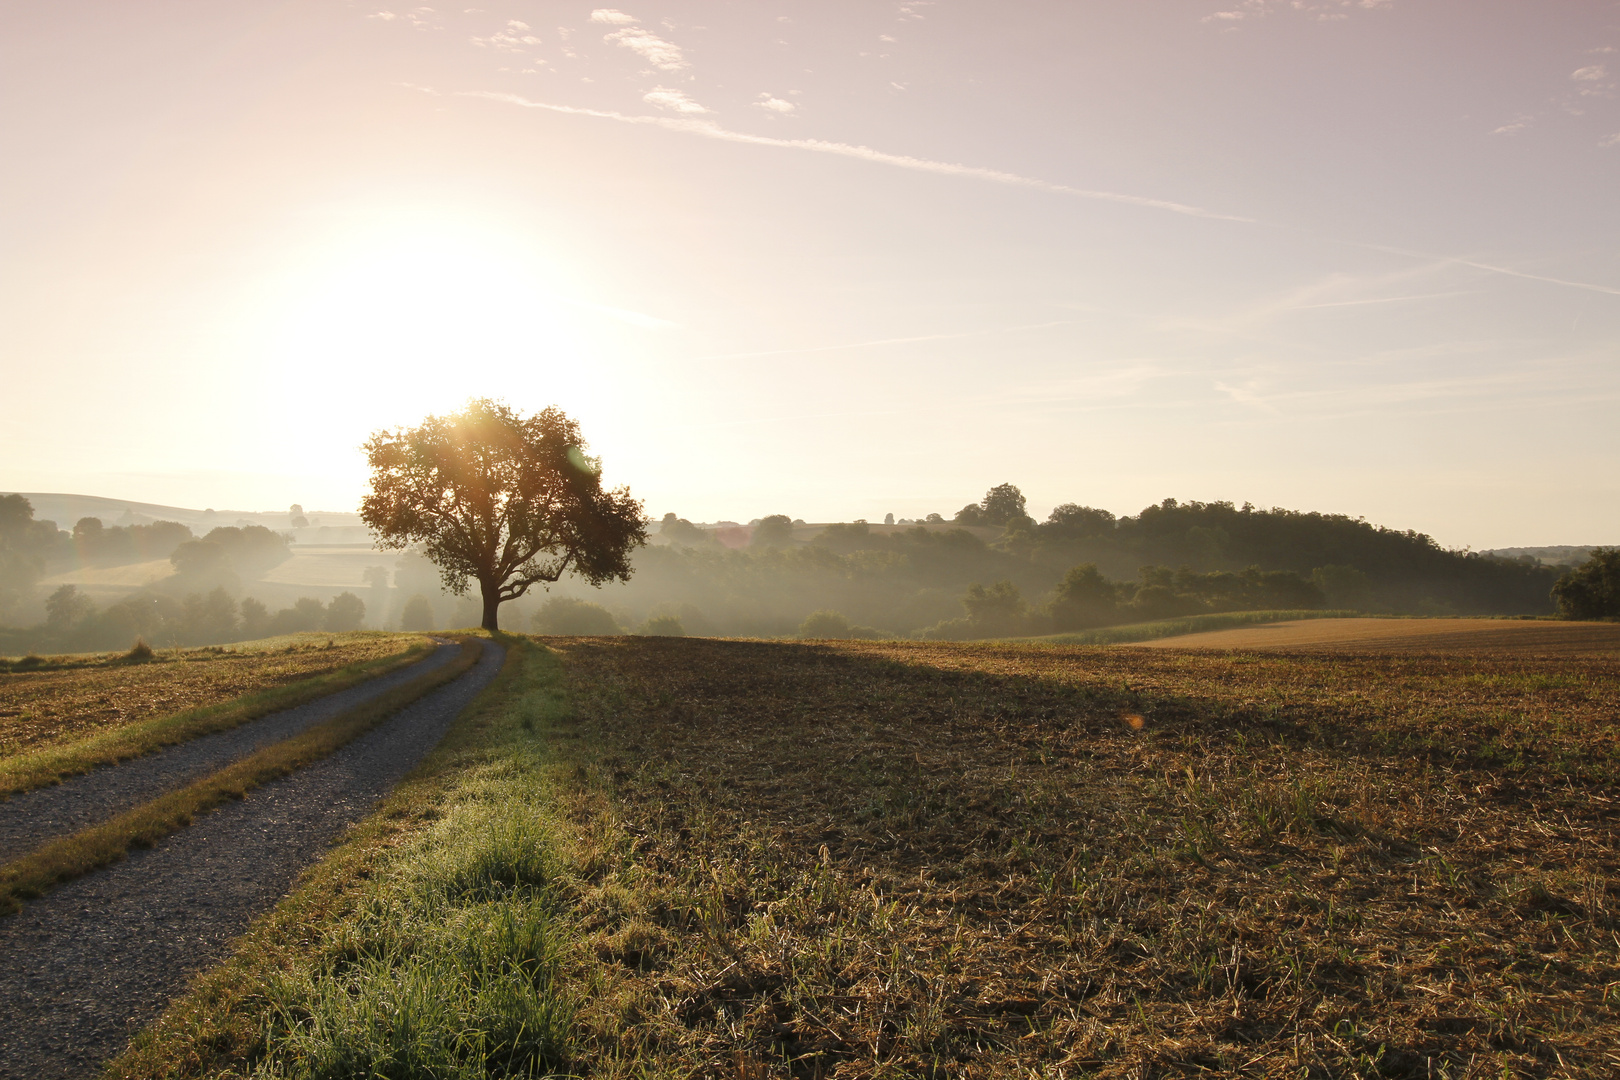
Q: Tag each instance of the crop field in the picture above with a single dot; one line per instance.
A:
(688, 857)
(75, 697)
(328, 566)
(1572, 639)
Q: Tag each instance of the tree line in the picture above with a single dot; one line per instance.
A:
(991, 570)
(73, 622)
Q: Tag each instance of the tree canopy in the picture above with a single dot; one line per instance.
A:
(1591, 590)
(506, 500)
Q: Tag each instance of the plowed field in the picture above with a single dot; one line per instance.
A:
(1572, 639)
(53, 705)
(889, 859)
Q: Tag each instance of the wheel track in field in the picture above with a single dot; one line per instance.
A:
(82, 968)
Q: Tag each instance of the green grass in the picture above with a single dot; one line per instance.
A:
(426, 945)
(53, 764)
(62, 860)
(1190, 624)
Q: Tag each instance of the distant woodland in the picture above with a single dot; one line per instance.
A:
(201, 603)
(989, 570)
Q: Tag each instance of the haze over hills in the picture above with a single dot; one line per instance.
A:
(1552, 555)
(105, 569)
(65, 509)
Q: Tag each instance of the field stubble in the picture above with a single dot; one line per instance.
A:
(896, 859)
(55, 704)
(676, 857)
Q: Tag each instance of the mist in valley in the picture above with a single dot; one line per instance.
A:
(985, 570)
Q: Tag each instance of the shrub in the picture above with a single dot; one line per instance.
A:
(998, 611)
(1591, 590)
(663, 626)
(1084, 598)
(418, 614)
(346, 612)
(677, 530)
(139, 653)
(307, 613)
(1342, 586)
(567, 616)
(774, 530)
(829, 625)
(824, 624)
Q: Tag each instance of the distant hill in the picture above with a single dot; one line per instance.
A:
(65, 509)
(1552, 555)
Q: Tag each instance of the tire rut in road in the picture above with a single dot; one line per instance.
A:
(35, 817)
(82, 968)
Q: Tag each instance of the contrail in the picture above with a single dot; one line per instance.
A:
(710, 130)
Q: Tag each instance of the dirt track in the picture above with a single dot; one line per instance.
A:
(1410, 635)
(82, 968)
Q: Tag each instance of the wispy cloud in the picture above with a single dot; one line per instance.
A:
(1251, 392)
(1255, 320)
(612, 17)
(710, 130)
(1382, 300)
(1322, 10)
(774, 104)
(675, 101)
(420, 17)
(1507, 271)
(513, 37)
(883, 341)
(661, 54)
(1550, 382)
(1106, 382)
(1591, 73)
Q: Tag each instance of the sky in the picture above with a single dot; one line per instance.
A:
(828, 259)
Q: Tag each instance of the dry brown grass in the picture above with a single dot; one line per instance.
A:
(54, 705)
(1569, 639)
(888, 859)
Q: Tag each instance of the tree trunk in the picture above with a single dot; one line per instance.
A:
(492, 606)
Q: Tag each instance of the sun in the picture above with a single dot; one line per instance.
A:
(378, 319)
(408, 319)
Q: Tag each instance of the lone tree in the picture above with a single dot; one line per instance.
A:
(502, 499)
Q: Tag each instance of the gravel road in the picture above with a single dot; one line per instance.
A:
(85, 966)
(34, 817)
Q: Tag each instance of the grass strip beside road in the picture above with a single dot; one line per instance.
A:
(1191, 624)
(62, 860)
(427, 943)
(52, 765)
